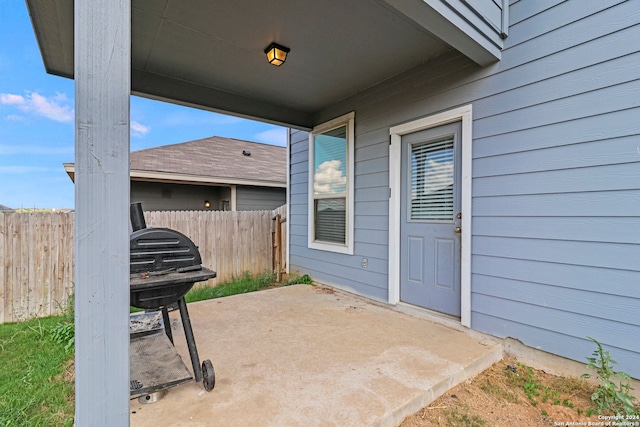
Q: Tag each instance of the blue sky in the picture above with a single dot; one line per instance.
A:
(37, 121)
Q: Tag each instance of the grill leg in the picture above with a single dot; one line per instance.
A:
(167, 323)
(191, 342)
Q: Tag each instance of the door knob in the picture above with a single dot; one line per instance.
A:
(458, 229)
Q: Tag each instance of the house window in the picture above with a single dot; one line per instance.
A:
(331, 185)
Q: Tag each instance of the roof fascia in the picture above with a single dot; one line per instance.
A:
(142, 175)
(179, 178)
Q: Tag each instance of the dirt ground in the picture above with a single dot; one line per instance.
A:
(497, 398)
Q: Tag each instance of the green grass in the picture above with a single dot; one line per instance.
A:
(241, 285)
(238, 285)
(33, 390)
(499, 392)
(455, 418)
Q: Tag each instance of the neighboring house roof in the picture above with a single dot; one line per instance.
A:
(5, 208)
(214, 160)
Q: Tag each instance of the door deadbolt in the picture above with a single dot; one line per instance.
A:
(459, 216)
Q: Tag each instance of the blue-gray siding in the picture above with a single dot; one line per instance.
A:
(556, 178)
(485, 16)
(371, 221)
(489, 13)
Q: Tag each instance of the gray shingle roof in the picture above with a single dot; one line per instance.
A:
(216, 157)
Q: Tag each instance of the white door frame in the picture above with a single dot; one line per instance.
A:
(458, 114)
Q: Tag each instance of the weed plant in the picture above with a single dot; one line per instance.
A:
(610, 397)
(535, 391)
(64, 332)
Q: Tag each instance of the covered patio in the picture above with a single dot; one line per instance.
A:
(308, 355)
(211, 55)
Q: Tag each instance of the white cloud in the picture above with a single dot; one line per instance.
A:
(11, 99)
(437, 176)
(328, 178)
(15, 118)
(277, 136)
(139, 130)
(55, 108)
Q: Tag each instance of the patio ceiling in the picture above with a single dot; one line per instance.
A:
(210, 54)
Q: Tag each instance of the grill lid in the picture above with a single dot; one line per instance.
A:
(158, 249)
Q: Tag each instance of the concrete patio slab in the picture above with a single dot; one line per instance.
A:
(308, 356)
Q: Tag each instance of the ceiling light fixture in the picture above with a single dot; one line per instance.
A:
(276, 54)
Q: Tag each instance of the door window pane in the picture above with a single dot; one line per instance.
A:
(432, 172)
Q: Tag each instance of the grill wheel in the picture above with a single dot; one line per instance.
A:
(208, 375)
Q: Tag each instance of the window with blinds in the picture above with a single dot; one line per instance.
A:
(330, 204)
(330, 185)
(432, 172)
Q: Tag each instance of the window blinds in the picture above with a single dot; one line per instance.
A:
(432, 173)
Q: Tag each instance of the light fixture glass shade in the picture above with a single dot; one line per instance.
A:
(276, 54)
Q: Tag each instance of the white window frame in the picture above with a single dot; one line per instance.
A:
(347, 248)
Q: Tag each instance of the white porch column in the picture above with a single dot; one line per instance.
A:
(102, 81)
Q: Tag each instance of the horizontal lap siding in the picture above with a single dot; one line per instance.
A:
(556, 188)
(371, 224)
(556, 177)
(250, 198)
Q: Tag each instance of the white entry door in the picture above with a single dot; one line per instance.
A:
(430, 219)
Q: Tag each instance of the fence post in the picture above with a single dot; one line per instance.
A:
(276, 239)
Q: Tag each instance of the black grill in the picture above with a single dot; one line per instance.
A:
(164, 266)
(157, 249)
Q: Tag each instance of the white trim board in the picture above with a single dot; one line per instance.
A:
(463, 114)
(347, 120)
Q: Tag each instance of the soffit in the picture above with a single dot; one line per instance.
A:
(209, 54)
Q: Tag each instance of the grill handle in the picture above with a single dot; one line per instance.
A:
(137, 217)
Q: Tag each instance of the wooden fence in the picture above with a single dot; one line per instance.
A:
(36, 275)
(36, 252)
